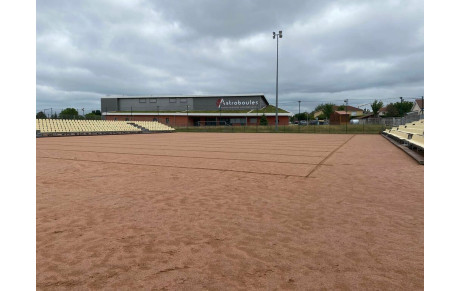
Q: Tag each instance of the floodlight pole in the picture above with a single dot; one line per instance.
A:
(346, 113)
(298, 119)
(277, 35)
(187, 116)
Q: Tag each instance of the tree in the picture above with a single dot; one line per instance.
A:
(392, 110)
(93, 116)
(96, 112)
(404, 107)
(328, 109)
(398, 109)
(68, 113)
(341, 107)
(301, 116)
(376, 106)
(263, 120)
(41, 115)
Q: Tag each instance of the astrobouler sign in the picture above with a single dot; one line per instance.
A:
(227, 103)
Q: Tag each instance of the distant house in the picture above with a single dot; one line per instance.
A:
(382, 111)
(339, 117)
(366, 116)
(351, 110)
(418, 106)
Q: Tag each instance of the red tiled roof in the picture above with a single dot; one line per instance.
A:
(419, 102)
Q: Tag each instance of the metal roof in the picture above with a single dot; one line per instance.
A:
(189, 96)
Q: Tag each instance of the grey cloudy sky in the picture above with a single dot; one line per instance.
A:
(330, 50)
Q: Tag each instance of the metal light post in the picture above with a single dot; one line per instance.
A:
(187, 116)
(83, 110)
(44, 111)
(277, 35)
(298, 119)
(346, 113)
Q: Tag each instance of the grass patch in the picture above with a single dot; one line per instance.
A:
(325, 129)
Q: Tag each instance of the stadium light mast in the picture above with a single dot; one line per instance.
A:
(277, 35)
(346, 113)
(298, 119)
(187, 116)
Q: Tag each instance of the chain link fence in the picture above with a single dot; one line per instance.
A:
(392, 121)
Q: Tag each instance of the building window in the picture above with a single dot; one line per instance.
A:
(183, 100)
(153, 100)
(172, 100)
(253, 120)
(142, 100)
(167, 120)
(155, 119)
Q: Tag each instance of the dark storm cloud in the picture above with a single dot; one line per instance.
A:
(330, 50)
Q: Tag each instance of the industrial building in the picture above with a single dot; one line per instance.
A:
(193, 110)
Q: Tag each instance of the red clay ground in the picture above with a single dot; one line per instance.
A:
(223, 211)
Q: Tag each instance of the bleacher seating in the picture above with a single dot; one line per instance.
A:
(87, 127)
(411, 134)
(153, 126)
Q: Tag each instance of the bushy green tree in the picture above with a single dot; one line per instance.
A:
(392, 111)
(376, 106)
(93, 116)
(69, 113)
(328, 109)
(41, 115)
(301, 116)
(263, 120)
(404, 107)
(398, 109)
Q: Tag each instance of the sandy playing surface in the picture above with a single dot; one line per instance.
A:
(222, 211)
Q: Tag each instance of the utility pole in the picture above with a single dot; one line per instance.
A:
(277, 35)
(346, 113)
(187, 116)
(298, 119)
